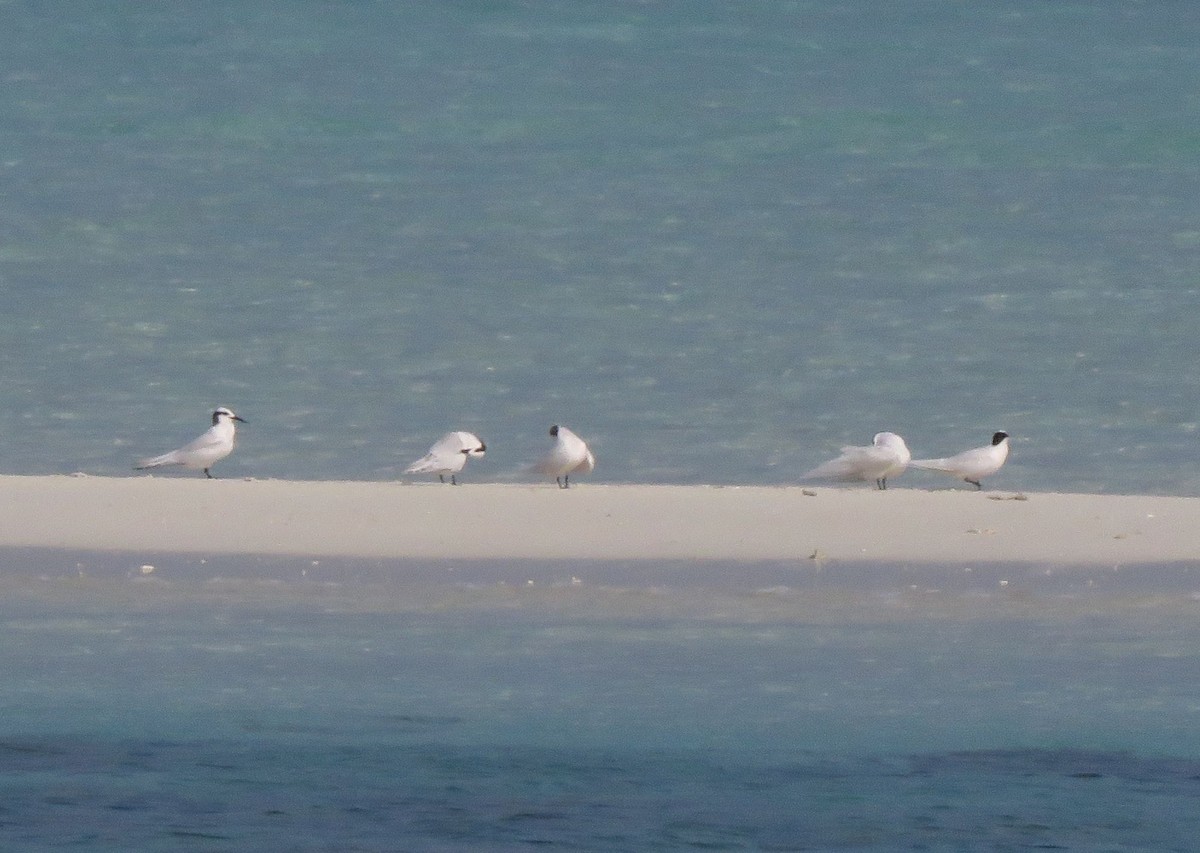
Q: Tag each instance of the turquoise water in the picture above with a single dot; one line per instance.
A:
(720, 242)
(507, 706)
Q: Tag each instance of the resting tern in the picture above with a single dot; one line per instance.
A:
(214, 445)
(971, 465)
(570, 455)
(448, 455)
(887, 456)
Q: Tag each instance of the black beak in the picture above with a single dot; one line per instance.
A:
(243, 420)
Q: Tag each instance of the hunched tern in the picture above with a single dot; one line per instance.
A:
(448, 455)
(887, 456)
(570, 455)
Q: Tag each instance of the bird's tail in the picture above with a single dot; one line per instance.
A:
(158, 461)
(424, 465)
(932, 465)
(845, 467)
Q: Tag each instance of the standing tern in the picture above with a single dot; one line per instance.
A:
(887, 456)
(448, 455)
(210, 448)
(971, 465)
(570, 455)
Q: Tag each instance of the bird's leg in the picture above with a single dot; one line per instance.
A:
(210, 476)
(441, 479)
(453, 481)
(881, 483)
(978, 485)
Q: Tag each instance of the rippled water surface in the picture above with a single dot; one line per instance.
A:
(717, 241)
(235, 704)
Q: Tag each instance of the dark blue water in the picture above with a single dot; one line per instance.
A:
(718, 241)
(193, 707)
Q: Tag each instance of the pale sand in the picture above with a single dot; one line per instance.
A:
(191, 515)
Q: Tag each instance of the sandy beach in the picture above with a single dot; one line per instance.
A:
(189, 515)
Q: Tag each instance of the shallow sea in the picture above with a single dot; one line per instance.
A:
(719, 241)
(238, 704)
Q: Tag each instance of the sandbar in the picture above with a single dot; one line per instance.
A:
(482, 521)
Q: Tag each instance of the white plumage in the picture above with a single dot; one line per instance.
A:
(215, 444)
(570, 455)
(971, 465)
(887, 456)
(448, 455)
